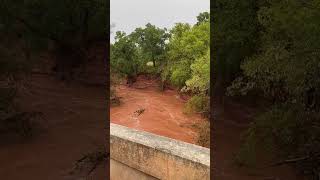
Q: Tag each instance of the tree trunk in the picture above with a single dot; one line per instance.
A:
(163, 85)
(154, 62)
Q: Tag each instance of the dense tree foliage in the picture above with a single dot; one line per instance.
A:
(152, 41)
(274, 48)
(203, 17)
(200, 75)
(124, 56)
(186, 45)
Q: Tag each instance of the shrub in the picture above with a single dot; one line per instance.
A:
(197, 104)
(203, 138)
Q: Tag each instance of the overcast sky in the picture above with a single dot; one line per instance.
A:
(127, 15)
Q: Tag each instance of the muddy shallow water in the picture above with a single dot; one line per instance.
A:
(162, 115)
(74, 125)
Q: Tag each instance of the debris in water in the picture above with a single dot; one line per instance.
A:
(139, 111)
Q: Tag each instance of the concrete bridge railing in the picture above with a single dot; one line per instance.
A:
(140, 155)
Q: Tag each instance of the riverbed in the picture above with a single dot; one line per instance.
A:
(161, 111)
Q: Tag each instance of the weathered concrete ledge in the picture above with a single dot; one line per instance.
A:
(158, 156)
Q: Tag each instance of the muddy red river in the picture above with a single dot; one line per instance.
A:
(143, 106)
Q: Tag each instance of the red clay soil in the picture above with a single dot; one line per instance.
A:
(75, 121)
(228, 129)
(163, 111)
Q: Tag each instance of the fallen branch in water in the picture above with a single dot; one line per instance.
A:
(139, 111)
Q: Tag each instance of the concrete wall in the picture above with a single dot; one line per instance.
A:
(156, 156)
(120, 171)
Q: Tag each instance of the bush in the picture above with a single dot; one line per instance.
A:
(204, 134)
(197, 104)
(200, 79)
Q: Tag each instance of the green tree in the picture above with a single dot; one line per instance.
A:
(200, 75)
(152, 41)
(188, 62)
(203, 17)
(185, 46)
(199, 85)
(124, 57)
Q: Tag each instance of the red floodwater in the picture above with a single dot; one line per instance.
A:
(163, 113)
